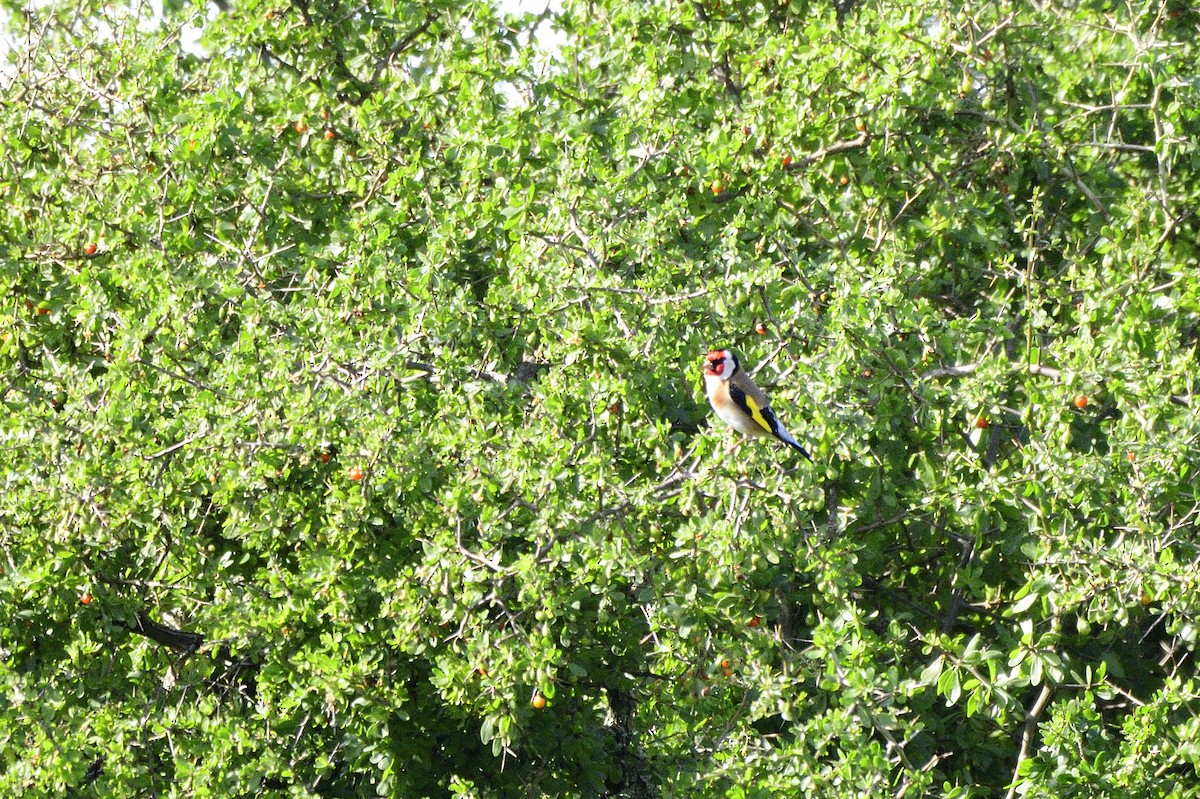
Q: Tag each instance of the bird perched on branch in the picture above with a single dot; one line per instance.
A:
(739, 402)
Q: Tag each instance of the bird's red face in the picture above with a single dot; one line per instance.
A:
(717, 362)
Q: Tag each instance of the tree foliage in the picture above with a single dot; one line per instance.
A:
(354, 437)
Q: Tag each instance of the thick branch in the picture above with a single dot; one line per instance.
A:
(167, 636)
(635, 780)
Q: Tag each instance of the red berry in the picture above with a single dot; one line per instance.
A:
(90, 248)
(755, 621)
(982, 423)
(787, 160)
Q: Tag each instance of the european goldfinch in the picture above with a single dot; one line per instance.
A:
(739, 402)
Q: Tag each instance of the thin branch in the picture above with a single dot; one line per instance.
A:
(837, 147)
(171, 448)
(964, 369)
(398, 48)
(1031, 722)
(186, 379)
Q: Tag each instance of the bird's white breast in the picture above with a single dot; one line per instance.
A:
(718, 396)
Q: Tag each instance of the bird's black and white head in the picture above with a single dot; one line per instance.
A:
(721, 364)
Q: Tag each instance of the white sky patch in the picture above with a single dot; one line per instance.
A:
(547, 40)
(189, 39)
(8, 45)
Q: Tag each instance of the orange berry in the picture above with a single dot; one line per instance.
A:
(982, 423)
(330, 135)
(755, 621)
(1081, 401)
(538, 701)
(301, 127)
(843, 180)
(90, 248)
(86, 599)
(761, 328)
(356, 474)
(1130, 456)
(787, 160)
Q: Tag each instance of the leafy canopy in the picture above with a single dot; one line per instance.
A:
(354, 439)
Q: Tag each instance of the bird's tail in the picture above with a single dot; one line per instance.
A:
(786, 438)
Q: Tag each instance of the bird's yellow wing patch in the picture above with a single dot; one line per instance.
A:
(761, 416)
